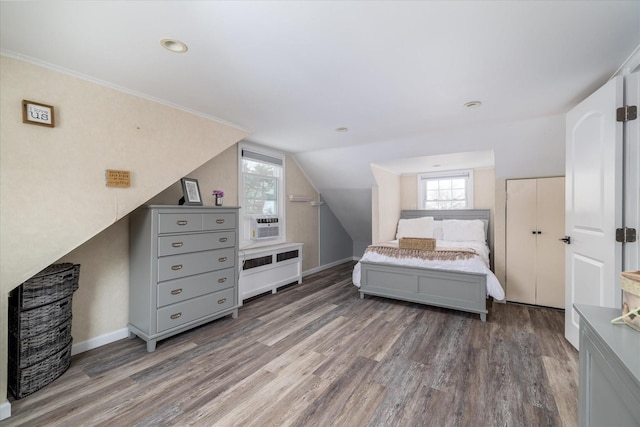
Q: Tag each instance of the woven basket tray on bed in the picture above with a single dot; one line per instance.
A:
(424, 244)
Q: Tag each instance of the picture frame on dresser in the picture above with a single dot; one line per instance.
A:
(191, 192)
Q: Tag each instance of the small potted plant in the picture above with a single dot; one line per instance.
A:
(219, 194)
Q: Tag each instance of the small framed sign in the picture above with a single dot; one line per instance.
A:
(35, 113)
(191, 192)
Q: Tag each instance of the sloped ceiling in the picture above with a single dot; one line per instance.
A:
(395, 73)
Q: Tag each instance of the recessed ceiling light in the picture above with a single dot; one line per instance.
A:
(174, 45)
(473, 104)
(342, 129)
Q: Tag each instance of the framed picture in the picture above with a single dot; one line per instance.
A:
(35, 113)
(191, 192)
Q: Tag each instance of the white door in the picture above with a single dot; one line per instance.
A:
(632, 173)
(593, 203)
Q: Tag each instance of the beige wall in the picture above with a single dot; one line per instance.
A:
(500, 233)
(385, 206)
(100, 306)
(303, 220)
(406, 186)
(101, 303)
(484, 196)
(484, 190)
(52, 186)
(409, 192)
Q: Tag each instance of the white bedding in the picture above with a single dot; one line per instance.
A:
(476, 264)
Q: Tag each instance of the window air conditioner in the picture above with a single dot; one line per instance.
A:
(265, 227)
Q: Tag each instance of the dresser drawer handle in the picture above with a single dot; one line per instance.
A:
(222, 259)
(222, 280)
(177, 244)
(176, 291)
(222, 301)
(176, 267)
(176, 316)
(182, 222)
(219, 221)
(223, 239)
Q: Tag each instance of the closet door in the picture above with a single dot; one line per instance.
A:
(521, 240)
(550, 250)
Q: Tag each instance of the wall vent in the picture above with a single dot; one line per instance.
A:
(257, 262)
(283, 256)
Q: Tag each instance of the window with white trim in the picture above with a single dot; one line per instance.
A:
(261, 190)
(446, 190)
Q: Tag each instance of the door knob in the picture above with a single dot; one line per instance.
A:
(566, 239)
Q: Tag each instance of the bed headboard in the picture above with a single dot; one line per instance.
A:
(483, 214)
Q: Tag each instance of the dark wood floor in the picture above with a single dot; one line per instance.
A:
(315, 354)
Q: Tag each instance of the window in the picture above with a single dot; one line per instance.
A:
(261, 189)
(449, 190)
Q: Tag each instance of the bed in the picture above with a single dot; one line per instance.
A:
(462, 284)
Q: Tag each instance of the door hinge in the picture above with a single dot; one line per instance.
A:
(625, 235)
(627, 113)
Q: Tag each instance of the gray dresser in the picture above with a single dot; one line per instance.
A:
(183, 269)
(609, 370)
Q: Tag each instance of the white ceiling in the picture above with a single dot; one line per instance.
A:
(395, 73)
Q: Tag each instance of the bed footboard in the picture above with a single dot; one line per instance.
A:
(442, 288)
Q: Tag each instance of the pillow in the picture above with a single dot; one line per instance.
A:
(415, 227)
(438, 233)
(463, 230)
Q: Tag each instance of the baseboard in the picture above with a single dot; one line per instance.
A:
(326, 266)
(96, 342)
(5, 410)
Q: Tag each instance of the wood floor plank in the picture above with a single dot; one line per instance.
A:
(315, 354)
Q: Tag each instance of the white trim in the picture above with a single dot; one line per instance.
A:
(326, 266)
(243, 226)
(33, 61)
(5, 410)
(631, 64)
(99, 341)
(444, 175)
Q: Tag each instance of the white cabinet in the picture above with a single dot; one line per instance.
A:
(267, 268)
(535, 255)
(182, 269)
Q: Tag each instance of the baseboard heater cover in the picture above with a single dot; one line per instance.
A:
(267, 268)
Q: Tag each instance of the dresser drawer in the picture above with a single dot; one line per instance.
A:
(177, 223)
(184, 243)
(193, 309)
(176, 266)
(186, 288)
(218, 221)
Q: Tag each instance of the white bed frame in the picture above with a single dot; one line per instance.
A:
(442, 288)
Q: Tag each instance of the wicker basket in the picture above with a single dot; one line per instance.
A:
(29, 323)
(29, 351)
(424, 244)
(51, 284)
(24, 381)
(630, 284)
